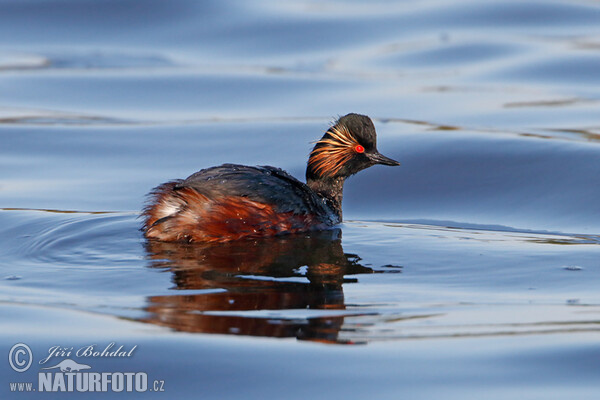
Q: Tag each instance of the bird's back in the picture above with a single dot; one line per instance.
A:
(234, 201)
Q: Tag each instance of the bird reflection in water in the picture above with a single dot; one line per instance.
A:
(294, 272)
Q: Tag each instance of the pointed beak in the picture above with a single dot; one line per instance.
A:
(379, 158)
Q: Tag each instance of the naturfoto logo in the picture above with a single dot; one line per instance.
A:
(59, 372)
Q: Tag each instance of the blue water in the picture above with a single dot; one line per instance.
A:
(471, 271)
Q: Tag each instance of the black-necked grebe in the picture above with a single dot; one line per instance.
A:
(232, 201)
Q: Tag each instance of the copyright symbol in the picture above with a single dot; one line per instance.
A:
(20, 357)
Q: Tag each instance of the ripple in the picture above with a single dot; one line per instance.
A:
(97, 60)
(549, 103)
(71, 238)
(558, 70)
(24, 116)
(470, 321)
(109, 60)
(11, 62)
(445, 55)
(481, 233)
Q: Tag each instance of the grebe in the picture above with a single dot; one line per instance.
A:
(231, 202)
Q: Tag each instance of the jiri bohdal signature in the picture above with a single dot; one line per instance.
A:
(92, 351)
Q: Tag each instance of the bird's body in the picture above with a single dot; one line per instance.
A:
(232, 201)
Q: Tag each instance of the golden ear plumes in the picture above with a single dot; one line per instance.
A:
(335, 150)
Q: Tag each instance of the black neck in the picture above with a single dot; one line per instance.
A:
(331, 189)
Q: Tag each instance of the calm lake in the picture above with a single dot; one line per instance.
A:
(472, 271)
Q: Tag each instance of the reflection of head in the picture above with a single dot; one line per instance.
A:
(280, 273)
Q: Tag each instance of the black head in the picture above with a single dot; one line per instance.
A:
(348, 147)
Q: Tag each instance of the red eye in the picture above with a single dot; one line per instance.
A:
(359, 149)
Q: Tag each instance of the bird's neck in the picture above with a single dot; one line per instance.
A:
(331, 189)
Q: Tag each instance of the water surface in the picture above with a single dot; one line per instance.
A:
(470, 271)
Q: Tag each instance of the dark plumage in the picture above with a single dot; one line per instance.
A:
(232, 201)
